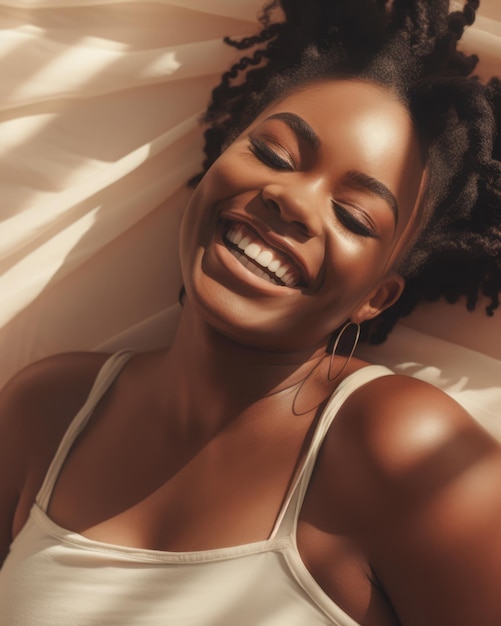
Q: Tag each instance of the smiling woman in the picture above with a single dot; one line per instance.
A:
(308, 180)
(256, 472)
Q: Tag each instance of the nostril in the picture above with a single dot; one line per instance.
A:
(303, 229)
(288, 209)
(274, 205)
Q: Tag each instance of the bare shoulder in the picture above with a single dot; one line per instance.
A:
(55, 371)
(36, 407)
(43, 398)
(428, 480)
(48, 391)
(400, 421)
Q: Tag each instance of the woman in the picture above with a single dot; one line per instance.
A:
(210, 483)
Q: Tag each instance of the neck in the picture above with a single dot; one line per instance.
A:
(212, 379)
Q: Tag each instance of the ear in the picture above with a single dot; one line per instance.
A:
(379, 299)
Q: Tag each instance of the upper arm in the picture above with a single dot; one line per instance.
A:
(36, 407)
(432, 477)
(441, 562)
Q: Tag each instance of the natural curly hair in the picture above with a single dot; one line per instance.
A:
(409, 46)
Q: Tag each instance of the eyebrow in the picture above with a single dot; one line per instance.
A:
(299, 126)
(364, 182)
(354, 178)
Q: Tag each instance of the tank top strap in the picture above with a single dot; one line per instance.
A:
(287, 520)
(106, 376)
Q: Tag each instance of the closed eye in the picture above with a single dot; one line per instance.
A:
(268, 156)
(353, 223)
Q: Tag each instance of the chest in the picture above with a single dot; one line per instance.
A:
(135, 486)
(157, 488)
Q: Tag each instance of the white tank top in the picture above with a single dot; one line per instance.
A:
(55, 577)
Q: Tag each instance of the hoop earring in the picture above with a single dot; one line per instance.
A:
(335, 346)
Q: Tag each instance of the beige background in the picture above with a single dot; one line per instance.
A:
(99, 103)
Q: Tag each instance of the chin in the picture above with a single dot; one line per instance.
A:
(249, 322)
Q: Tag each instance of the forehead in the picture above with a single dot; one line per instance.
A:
(373, 108)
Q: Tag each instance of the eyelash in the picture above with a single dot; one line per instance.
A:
(268, 156)
(352, 223)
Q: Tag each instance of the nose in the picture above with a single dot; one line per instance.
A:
(296, 205)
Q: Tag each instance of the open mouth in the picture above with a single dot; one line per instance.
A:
(259, 258)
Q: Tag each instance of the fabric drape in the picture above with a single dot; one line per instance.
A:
(99, 132)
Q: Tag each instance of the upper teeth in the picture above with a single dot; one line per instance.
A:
(265, 257)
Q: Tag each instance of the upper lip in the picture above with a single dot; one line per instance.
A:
(273, 240)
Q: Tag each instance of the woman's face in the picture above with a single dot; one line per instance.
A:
(297, 225)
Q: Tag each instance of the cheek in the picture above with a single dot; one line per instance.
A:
(233, 176)
(194, 231)
(217, 184)
(352, 261)
(222, 180)
(231, 170)
(226, 181)
(237, 170)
